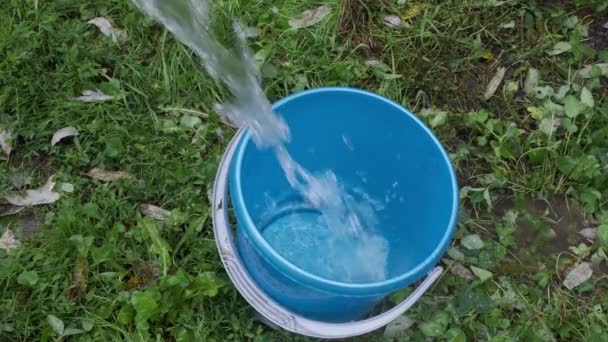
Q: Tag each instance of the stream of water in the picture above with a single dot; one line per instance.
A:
(333, 236)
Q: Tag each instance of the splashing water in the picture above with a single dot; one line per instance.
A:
(348, 250)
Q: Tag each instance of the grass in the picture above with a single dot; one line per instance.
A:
(532, 167)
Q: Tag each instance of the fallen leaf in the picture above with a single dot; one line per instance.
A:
(107, 30)
(109, 176)
(472, 242)
(310, 17)
(154, 212)
(42, 195)
(586, 71)
(63, 133)
(531, 82)
(605, 25)
(10, 210)
(32, 197)
(49, 185)
(578, 275)
(482, 274)
(398, 326)
(460, 271)
(392, 20)
(494, 83)
(5, 141)
(7, 240)
(414, 11)
(589, 233)
(93, 96)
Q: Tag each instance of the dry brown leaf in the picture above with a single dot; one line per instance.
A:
(154, 212)
(494, 83)
(578, 275)
(392, 20)
(109, 176)
(310, 17)
(589, 233)
(93, 96)
(63, 133)
(42, 195)
(8, 241)
(107, 30)
(460, 271)
(5, 141)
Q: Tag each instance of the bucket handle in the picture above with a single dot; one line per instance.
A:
(264, 305)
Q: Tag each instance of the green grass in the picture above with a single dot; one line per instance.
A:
(532, 173)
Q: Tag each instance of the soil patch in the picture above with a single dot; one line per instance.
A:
(355, 17)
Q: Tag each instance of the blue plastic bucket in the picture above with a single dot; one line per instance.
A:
(369, 142)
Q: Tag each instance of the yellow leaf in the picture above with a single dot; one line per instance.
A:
(414, 11)
(488, 56)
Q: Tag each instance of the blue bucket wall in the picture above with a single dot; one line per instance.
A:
(368, 142)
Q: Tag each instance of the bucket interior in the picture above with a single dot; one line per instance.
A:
(373, 146)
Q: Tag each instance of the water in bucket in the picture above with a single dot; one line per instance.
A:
(329, 229)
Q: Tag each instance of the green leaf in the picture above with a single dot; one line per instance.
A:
(455, 335)
(72, 331)
(56, 324)
(587, 98)
(560, 48)
(439, 119)
(535, 112)
(544, 92)
(547, 126)
(103, 253)
(482, 274)
(596, 71)
(190, 121)
(573, 106)
(83, 244)
(472, 242)
(159, 245)
(206, 284)
(472, 299)
(602, 235)
(126, 314)
(437, 325)
(28, 278)
(455, 254)
(145, 307)
(87, 324)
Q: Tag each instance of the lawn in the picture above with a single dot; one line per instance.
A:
(120, 244)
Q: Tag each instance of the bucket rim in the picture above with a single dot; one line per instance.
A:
(291, 270)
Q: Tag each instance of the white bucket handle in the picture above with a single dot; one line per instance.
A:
(263, 304)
